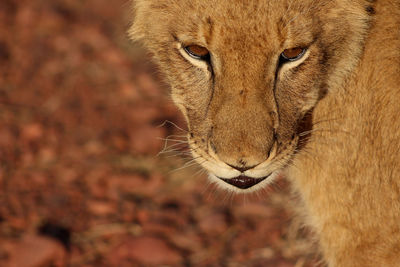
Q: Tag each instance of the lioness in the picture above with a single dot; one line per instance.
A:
(308, 88)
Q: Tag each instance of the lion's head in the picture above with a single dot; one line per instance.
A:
(246, 73)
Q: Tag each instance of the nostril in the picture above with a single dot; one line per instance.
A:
(241, 169)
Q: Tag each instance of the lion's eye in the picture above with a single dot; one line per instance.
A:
(293, 54)
(197, 52)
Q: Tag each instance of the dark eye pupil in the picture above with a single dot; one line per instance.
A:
(197, 52)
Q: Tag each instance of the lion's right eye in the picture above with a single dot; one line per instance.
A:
(293, 54)
(197, 52)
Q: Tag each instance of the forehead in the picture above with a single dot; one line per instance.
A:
(244, 12)
(243, 21)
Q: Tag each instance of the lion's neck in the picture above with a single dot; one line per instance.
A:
(348, 174)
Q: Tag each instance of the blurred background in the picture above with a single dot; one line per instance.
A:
(83, 117)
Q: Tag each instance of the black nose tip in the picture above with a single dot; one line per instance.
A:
(241, 169)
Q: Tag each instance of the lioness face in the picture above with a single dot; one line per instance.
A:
(245, 73)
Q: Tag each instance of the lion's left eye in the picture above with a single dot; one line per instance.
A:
(293, 54)
(197, 52)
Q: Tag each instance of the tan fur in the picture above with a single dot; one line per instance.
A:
(331, 122)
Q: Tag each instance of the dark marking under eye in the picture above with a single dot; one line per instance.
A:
(323, 91)
(210, 22)
(213, 147)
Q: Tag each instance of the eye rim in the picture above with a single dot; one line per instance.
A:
(205, 57)
(297, 57)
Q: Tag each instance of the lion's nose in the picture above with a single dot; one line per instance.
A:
(242, 169)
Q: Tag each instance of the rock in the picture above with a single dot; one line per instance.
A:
(149, 251)
(32, 132)
(214, 223)
(36, 251)
(101, 208)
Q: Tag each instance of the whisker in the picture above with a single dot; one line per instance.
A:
(173, 124)
(187, 165)
(174, 147)
(178, 136)
(192, 160)
(325, 120)
(172, 154)
(183, 167)
(323, 130)
(200, 172)
(178, 153)
(173, 140)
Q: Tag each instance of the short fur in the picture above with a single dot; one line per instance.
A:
(330, 122)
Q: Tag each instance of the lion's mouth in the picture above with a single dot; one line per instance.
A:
(243, 182)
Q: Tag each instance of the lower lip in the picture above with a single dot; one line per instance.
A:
(244, 182)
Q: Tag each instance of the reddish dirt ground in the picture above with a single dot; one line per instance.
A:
(81, 184)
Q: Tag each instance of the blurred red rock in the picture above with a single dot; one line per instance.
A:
(101, 208)
(147, 250)
(214, 223)
(32, 132)
(36, 251)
